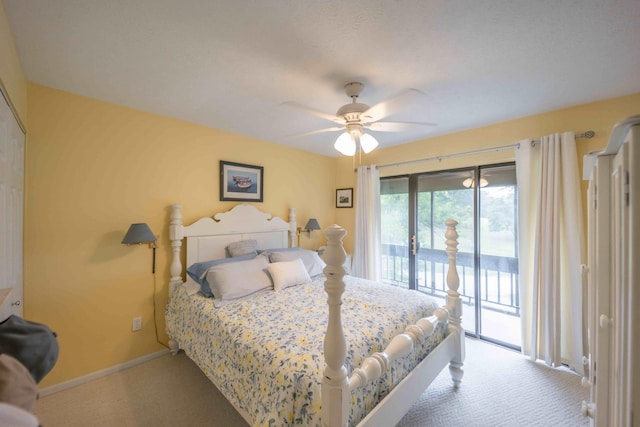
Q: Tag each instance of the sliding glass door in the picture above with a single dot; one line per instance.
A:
(395, 210)
(499, 313)
(483, 201)
(439, 197)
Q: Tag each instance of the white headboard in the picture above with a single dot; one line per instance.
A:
(207, 238)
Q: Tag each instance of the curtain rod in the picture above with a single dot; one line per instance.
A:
(586, 135)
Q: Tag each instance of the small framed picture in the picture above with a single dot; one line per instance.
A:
(240, 182)
(344, 198)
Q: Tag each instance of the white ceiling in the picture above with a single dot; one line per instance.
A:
(232, 64)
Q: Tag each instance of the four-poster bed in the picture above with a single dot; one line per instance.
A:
(267, 350)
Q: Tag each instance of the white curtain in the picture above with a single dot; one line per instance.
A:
(367, 246)
(552, 249)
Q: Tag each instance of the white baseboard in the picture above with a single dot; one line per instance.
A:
(99, 374)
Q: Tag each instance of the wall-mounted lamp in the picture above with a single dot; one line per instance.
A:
(312, 224)
(141, 233)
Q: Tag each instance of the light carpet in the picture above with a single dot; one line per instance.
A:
(500, 388)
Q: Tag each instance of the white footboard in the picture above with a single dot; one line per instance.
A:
(336, 388)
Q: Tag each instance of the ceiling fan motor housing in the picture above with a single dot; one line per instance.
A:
(351, 112)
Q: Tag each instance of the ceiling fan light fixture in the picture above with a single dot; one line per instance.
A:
(469, 182)
(345, 144)
(368, 143)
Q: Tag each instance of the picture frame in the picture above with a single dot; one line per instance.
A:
(240, 182)
(344, 198)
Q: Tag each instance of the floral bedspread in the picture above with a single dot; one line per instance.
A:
(264, 352)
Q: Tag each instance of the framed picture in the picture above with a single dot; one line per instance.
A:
(241, 182)
(344, 198)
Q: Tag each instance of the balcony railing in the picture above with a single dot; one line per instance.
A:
(498, 276)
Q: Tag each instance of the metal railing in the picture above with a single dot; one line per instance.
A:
(498, 276)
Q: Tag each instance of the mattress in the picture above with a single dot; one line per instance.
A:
(264, 352)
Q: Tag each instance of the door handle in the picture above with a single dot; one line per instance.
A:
(605, 321)
(414, 245)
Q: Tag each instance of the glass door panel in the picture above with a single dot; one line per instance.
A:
(442, 196)
(499, 287)
(394, 203)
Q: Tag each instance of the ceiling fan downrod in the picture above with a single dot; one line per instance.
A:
(351, 112)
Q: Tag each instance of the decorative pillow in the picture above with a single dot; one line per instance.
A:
(234, 280)
(288, 273)
(198, 271)
(311, 260)
(242, 247)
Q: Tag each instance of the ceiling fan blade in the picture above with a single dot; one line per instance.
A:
(392, 105)
(398, 126)
(313, 111)
(313, 132)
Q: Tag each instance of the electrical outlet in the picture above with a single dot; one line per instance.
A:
(137, 324)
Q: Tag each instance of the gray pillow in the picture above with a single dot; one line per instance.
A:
(242, 247)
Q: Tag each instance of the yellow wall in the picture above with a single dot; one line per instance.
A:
(11, 76)
(94, 168)
(597, 116)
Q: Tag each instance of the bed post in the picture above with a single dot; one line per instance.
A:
(176, 234)
(454, 303)
(335, 385)
(293, 227)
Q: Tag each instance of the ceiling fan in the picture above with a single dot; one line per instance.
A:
(355, 117)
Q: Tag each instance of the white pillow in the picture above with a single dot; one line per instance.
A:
(288, 273)
(311, 260)
(238, 279)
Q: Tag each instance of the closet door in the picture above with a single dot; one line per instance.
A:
(634, 273)
(626, 251)
(621, 314)
(11, 211)
(599, 306)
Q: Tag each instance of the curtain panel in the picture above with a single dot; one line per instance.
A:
(552, 250)
(367, 247)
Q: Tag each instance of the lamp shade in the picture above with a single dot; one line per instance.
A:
(312, 224)
(368, 143)
(345, 144)
(139, 233)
